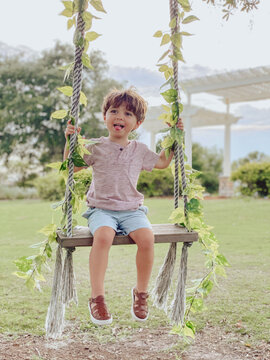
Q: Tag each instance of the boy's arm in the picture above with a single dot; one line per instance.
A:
(163, 162)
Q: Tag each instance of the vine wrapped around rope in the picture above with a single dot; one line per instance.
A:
(164, 278)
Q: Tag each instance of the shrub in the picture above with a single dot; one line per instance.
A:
(52, 186)
(156, 183)
(15, 192)
(254, 178)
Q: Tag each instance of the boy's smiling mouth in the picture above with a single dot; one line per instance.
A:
(118, 126)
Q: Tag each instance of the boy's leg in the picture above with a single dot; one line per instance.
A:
(144, 238)
(98, 259)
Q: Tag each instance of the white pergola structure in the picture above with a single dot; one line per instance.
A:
(231, 87)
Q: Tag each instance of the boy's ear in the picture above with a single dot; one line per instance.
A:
(137, 125)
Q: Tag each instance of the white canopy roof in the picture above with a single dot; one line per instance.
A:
(234, 86)
(199, 116)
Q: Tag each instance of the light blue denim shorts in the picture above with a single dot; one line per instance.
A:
(123, 222)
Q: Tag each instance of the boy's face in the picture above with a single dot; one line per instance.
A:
(120, 122)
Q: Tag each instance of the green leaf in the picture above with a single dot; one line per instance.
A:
(48, 251)
(83, 98)
(67, 13)
(197, 305)
(59, 114)
(170, 95)
(48, 229)
(68, 5)
(167, 142)
(163, 68)
(64, 165)
(87, 17)
(220, 270)
(172, 23)
(91, 36)
(66, 90)
(165, 39)
(177, 40)
(177, 216)
(97, 4)
(54, 165)
(194, 206)
(185, 5)
(31, 283)
(86, 61)
(57, 204)
(189, 19)
(207, 286)
(187, 331)
(222, 260)
(77, 159)
(184, 33)
(71, 22)
(158, 34)
(20, 274)
(23, 263)
(164, 55)
(178, 55)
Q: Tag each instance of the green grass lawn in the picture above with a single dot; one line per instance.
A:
(240, 304)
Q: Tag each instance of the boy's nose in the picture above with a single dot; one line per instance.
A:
(120, 115)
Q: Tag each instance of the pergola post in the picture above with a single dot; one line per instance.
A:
(188, 132)
(227, 144)
(153, 141)
(225, 185)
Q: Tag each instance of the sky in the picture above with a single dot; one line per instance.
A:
(127, 41)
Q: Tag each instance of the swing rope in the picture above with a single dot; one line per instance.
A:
(164, 278)
(64, 288)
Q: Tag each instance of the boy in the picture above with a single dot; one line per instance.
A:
(114, 204)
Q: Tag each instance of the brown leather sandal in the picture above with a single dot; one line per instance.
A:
(98, 311)
(139, 308)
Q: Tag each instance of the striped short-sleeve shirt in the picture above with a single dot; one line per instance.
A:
(116, 170)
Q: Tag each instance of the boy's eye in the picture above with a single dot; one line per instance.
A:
(129, 114)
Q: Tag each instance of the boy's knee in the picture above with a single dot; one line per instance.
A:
(104, 236)
(144, 238)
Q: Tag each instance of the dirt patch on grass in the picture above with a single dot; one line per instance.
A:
(142, 344)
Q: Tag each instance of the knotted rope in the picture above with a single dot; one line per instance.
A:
(64, 289)
(164, 278)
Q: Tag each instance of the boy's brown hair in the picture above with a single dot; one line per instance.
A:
(134, 102)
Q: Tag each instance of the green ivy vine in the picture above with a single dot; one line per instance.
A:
(215, 262)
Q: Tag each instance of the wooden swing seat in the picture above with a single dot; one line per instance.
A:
(164, 233)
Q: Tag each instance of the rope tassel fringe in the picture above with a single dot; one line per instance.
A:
(178, 306)
(56, 312)
(69, 292)
(164, 278)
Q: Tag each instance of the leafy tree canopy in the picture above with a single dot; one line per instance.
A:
(29, 95)
(229, 6)
(252, 157)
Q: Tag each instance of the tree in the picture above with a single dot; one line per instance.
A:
(252, 157)
(229, 6)
(209, 162)
(206, 160)
(29, 95)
